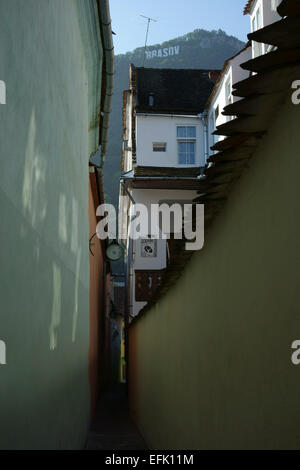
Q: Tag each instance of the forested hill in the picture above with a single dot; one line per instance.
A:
(199, 49)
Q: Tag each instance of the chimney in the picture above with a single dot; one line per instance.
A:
(214, 75)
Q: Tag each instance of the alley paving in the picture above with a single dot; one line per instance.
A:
(112, 428)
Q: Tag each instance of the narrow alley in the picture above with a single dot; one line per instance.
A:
(150, 229)
(112, 427)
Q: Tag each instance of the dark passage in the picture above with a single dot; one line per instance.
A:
(112, 428)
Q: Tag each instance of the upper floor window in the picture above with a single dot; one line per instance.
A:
(186, 132)
(228, 98)
(151, 99)
(256, 20)
(186, 141)
(257, 24)
(212, 128)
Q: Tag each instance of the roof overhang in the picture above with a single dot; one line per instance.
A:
(248, 7)
(262, 96)
(147, 182)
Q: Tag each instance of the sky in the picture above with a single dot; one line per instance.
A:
(174, 18)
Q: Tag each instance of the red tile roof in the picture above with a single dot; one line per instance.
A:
(248, 7)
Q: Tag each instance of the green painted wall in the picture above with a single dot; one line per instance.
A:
(51, 63)
(211, 360)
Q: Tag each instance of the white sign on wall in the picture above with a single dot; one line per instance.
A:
(165, 52)
(148, 248)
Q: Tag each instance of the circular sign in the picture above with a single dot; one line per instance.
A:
(114, 251)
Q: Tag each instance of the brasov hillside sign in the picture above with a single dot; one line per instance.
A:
(164, 52)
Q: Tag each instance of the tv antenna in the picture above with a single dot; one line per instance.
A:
(148, 24)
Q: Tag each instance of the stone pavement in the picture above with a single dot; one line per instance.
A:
(112, 428)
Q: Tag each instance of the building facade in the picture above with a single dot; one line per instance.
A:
(262, 13)
(222, 96)
(57, 64)
(165, 150)
(211, 357)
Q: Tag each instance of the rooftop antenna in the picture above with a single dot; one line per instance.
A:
(148, 24)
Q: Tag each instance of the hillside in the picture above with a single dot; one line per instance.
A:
(199, 49)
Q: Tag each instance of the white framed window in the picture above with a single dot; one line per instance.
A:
(228, 97)
(257, 24)
(256, 20)
(159, 146)
(212, 127)
(186, 143)
(151, 99)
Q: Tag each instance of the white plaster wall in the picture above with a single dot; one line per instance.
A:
(151, 129)
(148, 197)
(238, 73)
(155, 196)
(158, 262)
(219, 100)
(128, 134)
(235, 73)
(268, 16)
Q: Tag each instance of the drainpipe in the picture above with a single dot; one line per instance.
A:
(204, 119)
(126, 191)
(107, 72)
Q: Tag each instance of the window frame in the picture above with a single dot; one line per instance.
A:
(161, 147)
(186, 140)
(257, 47)
(212, 126)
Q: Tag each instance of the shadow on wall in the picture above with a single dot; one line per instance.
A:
(34, 196)
(46, 304)
(44, 279)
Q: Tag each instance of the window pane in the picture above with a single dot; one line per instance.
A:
(186, 153)
(191, 159)
(191, 154)
(258, 19)
(228, 90)
(182, 153)
(182, 159)
(181, 132)
(191, 132)
(186, 132)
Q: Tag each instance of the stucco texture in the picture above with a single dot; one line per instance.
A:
(44, 231)
(211, 361)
